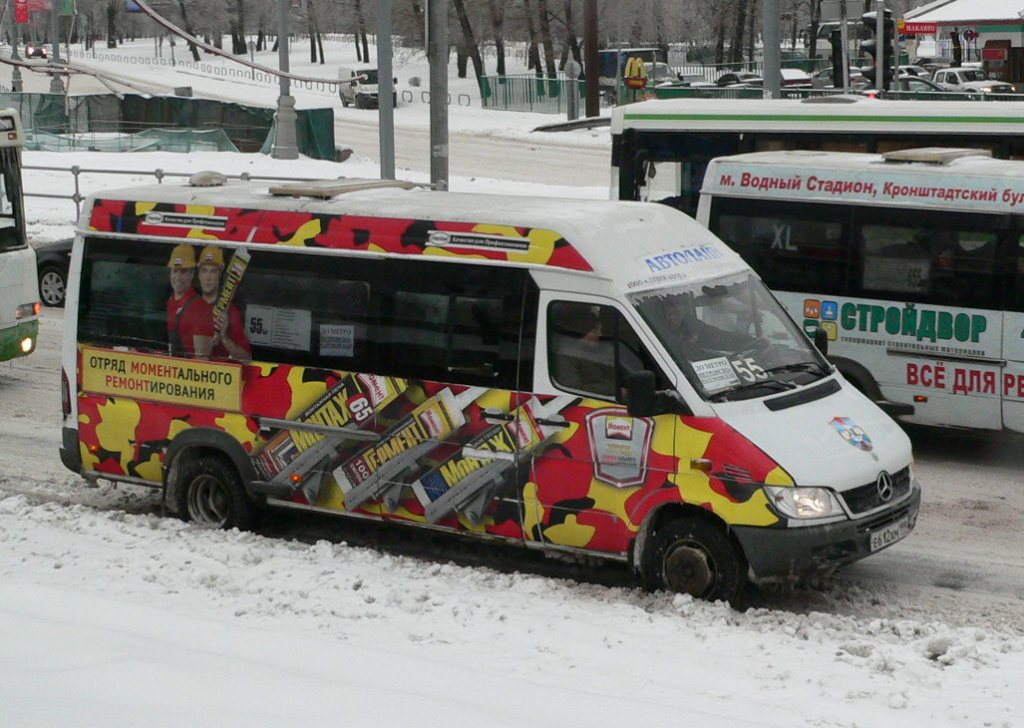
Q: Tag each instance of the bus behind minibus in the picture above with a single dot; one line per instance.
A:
(590, 378)
(911, 262)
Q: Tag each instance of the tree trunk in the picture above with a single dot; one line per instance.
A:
(311, 28)
(192, 47)
(111, 24)
(738, 30)
(238, 29)
(545, 34)
(812, 41)
(720, 38)
(469, 43)
(572, 43)
(533, 54)
(361, 34)
(751, 34)
(497, 9)
(417, 12)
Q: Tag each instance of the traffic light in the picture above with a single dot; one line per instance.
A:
(873, 45)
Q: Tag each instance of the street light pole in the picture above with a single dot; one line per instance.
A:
(385, 91)
(56, 85)
(437, 54)
(285, 139)
(16, 85)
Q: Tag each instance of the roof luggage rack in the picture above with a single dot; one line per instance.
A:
(327, 188)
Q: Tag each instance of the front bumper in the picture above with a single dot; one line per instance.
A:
(776, 554)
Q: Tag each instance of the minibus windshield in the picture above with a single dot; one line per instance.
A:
(731, 338)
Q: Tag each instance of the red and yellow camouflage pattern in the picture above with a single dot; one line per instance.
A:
(342, 232)
(563, 485)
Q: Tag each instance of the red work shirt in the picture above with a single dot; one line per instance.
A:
(197, 320)
(174, 307)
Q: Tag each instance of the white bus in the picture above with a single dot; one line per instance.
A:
(912, 262)
(19, 294)
(660, 149)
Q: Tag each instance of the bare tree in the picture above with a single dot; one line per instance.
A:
(469, 45)
(545, 34)
(192, 47)
(497, 9)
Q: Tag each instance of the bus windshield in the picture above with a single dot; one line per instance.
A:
(731, 338)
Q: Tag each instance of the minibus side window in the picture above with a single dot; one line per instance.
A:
(123, 295)
(453, 323)
(592, 350)
(306, 310)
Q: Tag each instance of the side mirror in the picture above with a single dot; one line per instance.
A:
(821, 340)
(640, 394)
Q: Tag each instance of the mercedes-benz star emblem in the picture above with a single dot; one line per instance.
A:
(884, 485)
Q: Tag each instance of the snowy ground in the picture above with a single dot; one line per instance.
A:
(113, 615)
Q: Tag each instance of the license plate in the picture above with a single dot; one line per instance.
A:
(890, 534)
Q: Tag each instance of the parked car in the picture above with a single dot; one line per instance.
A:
(823, 79)
(361, 87)
(907, 83)
(660, 74)
(970, 79)
(795, 78)
(35, 50)
(52, 263)
(740, 78)
(913, 70)
(931, 64)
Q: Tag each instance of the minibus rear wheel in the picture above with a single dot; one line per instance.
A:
(692, 556)
(210, 493)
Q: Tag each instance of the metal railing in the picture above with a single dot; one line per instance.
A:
(77, 172)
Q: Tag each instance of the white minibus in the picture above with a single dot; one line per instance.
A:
(582, 377)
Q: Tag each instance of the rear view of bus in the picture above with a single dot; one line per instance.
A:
(19, 296)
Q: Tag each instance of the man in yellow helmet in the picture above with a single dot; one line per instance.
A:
(182, 266)
(216, 337)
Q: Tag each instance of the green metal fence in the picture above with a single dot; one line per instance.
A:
(527, 92)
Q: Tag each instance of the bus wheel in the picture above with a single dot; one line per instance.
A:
(692, 556)
(210, 494)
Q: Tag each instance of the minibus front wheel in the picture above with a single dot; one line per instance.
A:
(689, 555)
(211, 495)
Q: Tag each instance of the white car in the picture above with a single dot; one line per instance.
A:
(970, 79)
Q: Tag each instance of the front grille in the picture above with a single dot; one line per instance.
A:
(865, 498)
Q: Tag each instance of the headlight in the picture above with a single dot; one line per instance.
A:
(803, 502)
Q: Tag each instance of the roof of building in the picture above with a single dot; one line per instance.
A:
(968, 12)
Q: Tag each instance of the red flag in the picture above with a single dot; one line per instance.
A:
(21, 11)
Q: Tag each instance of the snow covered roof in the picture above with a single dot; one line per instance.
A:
(968, 12)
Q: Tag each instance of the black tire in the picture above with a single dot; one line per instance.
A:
(692, 556)
(210, 494)
(52, 285)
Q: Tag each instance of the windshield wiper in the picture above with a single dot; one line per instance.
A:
(812, 367)
(771, 384)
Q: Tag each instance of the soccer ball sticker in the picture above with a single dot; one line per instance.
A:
(852, 433)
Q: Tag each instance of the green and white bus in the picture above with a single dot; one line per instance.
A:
(912, 263)
(661, 148)
(19, 294)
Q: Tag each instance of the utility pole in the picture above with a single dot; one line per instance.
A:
(56, 85)
(437, 54)
(385, 91)
(772, 61)
(880, 46)
(285, 140)
(16, 85)
(590, 70)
